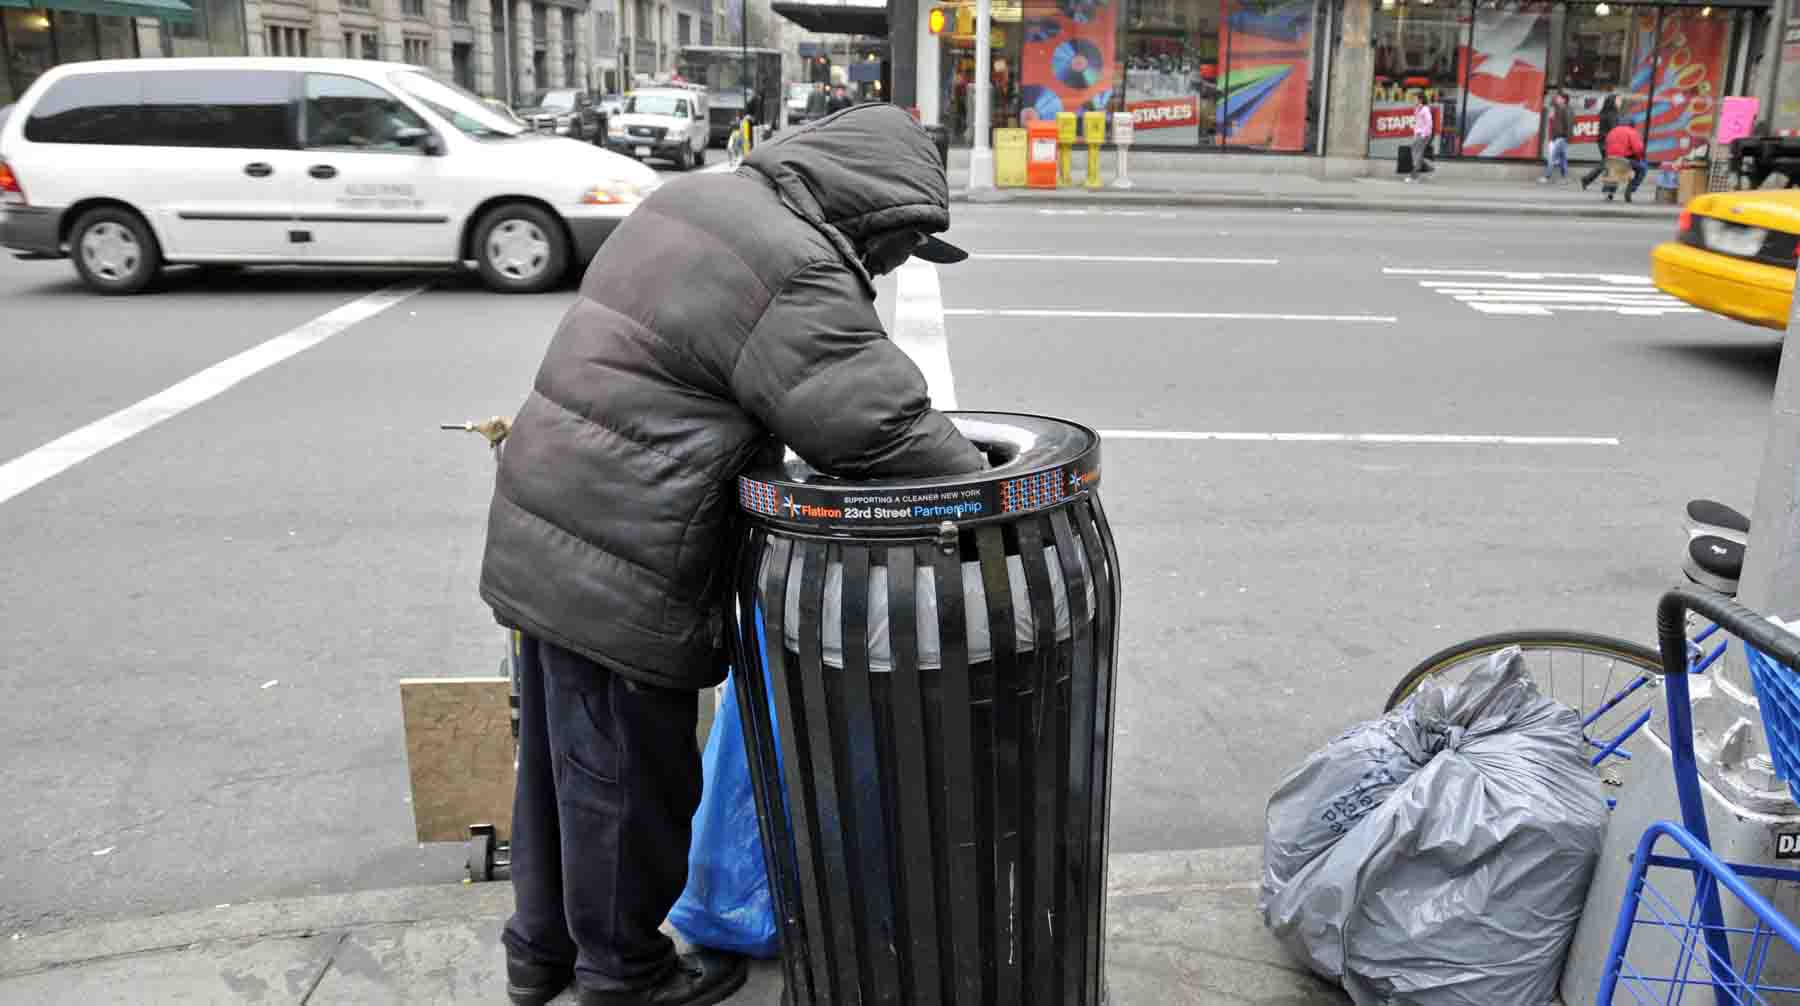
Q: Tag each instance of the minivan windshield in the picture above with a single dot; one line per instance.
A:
(553, 101)
(657, 104)
(457, 106)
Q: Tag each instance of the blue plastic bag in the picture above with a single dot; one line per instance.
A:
(727, 905)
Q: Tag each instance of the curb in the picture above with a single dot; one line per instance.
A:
(1193, 873)
(1223, 200)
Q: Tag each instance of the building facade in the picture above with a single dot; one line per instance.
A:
(1341, 77)
(497, 48)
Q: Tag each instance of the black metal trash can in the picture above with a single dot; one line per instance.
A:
(927, 675)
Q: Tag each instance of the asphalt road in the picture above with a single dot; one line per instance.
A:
(203, 625)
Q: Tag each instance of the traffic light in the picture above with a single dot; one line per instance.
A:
(936, 20)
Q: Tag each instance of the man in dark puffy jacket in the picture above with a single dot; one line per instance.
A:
(729, 314)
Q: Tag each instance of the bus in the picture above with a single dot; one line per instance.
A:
(721, 69)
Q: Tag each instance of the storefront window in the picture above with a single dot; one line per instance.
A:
(118, 39)
(1068, 57)
(1598, 55)
(1173, 75)
(1418, 45)
(76, 36)
(957, 68)
(28, 48)
(1688, 65)
(1268, 101)
(1504, 65)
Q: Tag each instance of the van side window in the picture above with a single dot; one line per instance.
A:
(352, 114)
(87, 108)
(681, 109)
(218, 108)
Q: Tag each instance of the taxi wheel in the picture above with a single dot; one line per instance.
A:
(519, 248)
(114, 251)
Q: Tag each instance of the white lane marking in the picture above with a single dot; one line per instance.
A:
(976, 312)
(919, 328)
(1540, 295)
(1605, 277)
(69, 450)
(1145, 259)
(1367, 438)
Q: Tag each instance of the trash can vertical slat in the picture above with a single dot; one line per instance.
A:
(1042, 780)
(1080, 763)
(1109, 640)
(1005, 755)
(963, 937)
(1100, 565)
(748, 678)
(937, 830)
(810, 933)
(832, 822)
(917, 864)
(870, 887)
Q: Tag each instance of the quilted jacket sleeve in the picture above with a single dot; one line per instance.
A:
(820, 374)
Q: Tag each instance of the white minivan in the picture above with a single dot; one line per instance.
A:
(125, 165)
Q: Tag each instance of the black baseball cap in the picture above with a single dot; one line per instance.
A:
(936, 249)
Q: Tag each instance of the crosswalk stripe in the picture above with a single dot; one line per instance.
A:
(1525, 293)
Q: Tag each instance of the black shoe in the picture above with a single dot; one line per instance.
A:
(535, 984)
(1585, 182)
(701, 978)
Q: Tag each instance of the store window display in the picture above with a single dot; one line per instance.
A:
(1173, 80)
(1418, 46)
(1268, 102)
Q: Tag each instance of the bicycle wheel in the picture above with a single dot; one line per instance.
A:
(1611, 682)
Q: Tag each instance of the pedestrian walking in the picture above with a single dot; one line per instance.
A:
(1423, 129)
(840, 100)
(728, 316)
(1559, 126)
(1625, 143)
(1609, 117)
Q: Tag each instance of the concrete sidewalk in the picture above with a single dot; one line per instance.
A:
(1162, 179)
(1183, 931)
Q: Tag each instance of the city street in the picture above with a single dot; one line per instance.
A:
(1334, 443)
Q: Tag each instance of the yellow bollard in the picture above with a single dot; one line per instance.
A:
(749, 135)
(1093, 129)
(1065, 148)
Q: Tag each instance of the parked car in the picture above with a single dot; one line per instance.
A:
(1733, 255)
(126, 165)
(662, 122)
(564, 111)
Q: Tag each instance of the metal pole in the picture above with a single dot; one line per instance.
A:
(1771, 61)
(744, 49)
(981, 155)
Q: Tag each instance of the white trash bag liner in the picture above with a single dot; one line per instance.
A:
(981, 647)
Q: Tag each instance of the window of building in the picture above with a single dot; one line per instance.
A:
(286, 41)
(416, 51)
(684, 29)
(540, 71)
(459, 11)
(356, 4)
(347, 113)
(462, 64)
(1416, 45)
(217, 108)
(540, 22)
(1174, 72)
(412, 8)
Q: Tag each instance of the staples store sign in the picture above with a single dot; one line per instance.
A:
(1391, 123)
(1165, 113)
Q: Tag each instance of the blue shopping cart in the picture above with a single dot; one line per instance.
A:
(1691, 929)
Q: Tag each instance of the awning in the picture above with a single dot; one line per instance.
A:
(165, 10)
(836, 18)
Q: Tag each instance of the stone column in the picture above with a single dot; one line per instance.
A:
(438, 11)
(1352, 87)
(584, 49)
(328, 30)
(390, 36)
(522, 47)
(553, 58)
(487, 67)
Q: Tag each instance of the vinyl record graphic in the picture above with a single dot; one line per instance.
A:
(1042, 29)
(1081, 11)
(1039, 102)
(1077, 64)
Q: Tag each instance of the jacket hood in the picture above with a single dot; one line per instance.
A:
(867, 169)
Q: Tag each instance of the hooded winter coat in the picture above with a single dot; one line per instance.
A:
(727, 315)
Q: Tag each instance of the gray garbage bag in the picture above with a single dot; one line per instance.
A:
(1462, 883)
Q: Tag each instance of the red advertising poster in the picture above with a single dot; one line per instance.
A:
(1504, 66)
(1270, 56)
(1688, 63)
(1066, 57)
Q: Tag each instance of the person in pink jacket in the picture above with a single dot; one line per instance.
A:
(1424, 126)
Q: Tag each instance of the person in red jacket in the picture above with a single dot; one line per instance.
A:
(1624, 141)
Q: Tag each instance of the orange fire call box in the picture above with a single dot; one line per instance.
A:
(1040, 154)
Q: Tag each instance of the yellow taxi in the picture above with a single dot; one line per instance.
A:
(1733, 254)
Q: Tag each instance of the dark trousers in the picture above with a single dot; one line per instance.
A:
(1599, 169)
(609, 778)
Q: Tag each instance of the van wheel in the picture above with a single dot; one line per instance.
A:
(520, 249)
(114, 251)
(700, 156)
